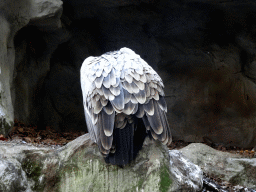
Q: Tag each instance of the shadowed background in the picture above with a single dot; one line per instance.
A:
(203, 50)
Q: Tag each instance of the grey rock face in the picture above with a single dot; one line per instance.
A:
(14, 16)
(206, 62)
(12, 177)
(79, 166)
(188, 175)
(223, 165)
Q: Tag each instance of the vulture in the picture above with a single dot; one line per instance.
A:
(124, 103)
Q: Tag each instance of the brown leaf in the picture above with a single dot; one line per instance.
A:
(20, 129)
(3, 138)
(48, 141)
(28, 139)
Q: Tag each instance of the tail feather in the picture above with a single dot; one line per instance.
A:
(127, 142)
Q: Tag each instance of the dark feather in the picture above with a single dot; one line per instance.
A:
(108, 94)
(128, 108)
(135, 88)
(156, 96)
(140, 112)
(90, 126)
(109, 108)
(108, 123)
(162, 104)
(103, 101)
(115, 90)
(146, 122)
(133, 99)
(136, 76)
(147, 90)
(127, 96)
(118, 101)
(97, 108)
(135, 108)
(127, 86)
(141, 96)
(155, 122)
(163, 135)
(139, 84)
(149, 107)
(105, 140)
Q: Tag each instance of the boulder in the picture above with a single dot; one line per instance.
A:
(79, 166)
(12, 177)
(226, 166)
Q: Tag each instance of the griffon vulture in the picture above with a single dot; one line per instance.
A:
(124, 102)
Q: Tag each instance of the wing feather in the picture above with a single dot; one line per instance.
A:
(112, 77)
(127, 96)
(155, 120)
(108, 94)
(139, 84)
(109, 108)
(102, 138)
(106, 81)
(115, 90)
(134, 87)
(162, 104)
(140, 112)
(127, 86)
(141, 96)
(98, 81)
(128, 78)
(118, 101)
(108, 123)
(149, 108)
(128, 108)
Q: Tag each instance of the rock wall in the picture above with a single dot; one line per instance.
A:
(203, 50)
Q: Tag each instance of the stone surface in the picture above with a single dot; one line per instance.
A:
(12, 177)
(14, 16)
(188, 175)
(226, 166)
(79, 166)
(207, 63)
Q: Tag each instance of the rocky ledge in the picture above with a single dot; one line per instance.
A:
(79, 166)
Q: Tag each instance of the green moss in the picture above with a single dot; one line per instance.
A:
(6, 127)
(140, 183)
(33, 170)
(165, 181)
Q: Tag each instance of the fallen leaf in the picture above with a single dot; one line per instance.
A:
(20, 129)
(2, 138)
(28, 139)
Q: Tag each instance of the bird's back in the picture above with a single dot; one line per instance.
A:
(123, 101)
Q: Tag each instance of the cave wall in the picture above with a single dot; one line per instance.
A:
(203, 50)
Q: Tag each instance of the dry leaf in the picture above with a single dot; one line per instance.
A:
(3, 138)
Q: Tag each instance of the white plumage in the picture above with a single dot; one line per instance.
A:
(118, 89)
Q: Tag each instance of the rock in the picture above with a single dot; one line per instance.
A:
(12, 177)
(206, 62)
(64, 98)
(15, 15)
(188, 175)
(226, 166)
(80, 166)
